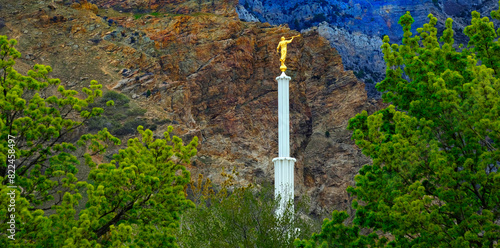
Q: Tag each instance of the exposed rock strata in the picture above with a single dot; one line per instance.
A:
(244, 15)
(363, 51)
(213, 76)
(218, 7)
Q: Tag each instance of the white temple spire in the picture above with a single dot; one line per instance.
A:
(284, 164)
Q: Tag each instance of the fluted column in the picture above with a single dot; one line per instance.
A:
(284, 164)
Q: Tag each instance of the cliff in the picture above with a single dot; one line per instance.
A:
(210, 75)
(356, 27)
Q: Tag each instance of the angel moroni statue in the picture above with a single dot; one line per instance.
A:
(284, 164)
(283, 44)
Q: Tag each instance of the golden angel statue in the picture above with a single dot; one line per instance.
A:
(283, 44)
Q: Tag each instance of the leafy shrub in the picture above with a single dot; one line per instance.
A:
(119, 98)
(119, 116)
(162, 121)
(129, 127)
(136, 112)
(99, 122)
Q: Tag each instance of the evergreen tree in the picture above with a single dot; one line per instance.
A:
(134, 200)
(434, 179)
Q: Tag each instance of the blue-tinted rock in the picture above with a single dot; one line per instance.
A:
(355, 27)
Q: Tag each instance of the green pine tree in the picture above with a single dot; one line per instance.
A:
(135, 200)
(434, 179)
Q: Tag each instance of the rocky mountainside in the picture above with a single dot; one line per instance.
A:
(194, 65)
(356, 27)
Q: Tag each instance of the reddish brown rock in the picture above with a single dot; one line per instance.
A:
(214, 76)
(219, 7)
(226, 94)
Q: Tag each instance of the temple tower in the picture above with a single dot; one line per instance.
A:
(284, 164)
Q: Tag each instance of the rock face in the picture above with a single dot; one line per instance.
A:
(363, 54)
(244, 15)
(223, 7)
(355, 27)
(213, 76)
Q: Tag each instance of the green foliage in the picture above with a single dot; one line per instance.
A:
(131, 126)
(137, 16)
(434, 179)
(335, 234)
(120, 116)
(242, 217)
(162, 121)
(98, 123)
(117, 111)
(327, 134)
(142, 188)
(42, 126)
(135, 200)
(136, 112)
(114, 104)
(118, 98)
